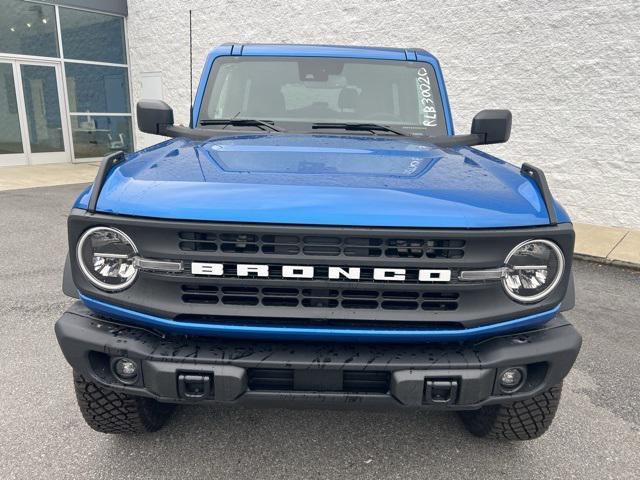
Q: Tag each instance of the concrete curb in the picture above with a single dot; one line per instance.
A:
(606, 261)
(609, 245)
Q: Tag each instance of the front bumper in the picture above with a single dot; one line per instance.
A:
(188, 369)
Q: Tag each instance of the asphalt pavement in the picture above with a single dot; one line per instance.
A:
(42, 435)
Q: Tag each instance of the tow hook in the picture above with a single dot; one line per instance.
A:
(440, 392)
(194, 386)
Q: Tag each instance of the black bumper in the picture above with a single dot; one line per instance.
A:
(194, 369)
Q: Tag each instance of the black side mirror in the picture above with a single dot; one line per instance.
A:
(494, 125)
(154, 116)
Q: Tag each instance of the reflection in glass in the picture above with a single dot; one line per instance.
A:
(28, 28)
(94, 88)
(92, 36)
(95, 136)
(10, 137)
(43, 108)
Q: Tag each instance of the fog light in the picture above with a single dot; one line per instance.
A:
(511, 379)
(125, 369)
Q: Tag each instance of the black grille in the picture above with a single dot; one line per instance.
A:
(365, 382)
(281, 379)
(329, 298)
(325, 246)
(270, 379)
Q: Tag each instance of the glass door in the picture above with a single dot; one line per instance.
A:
(35, 131)
(47, 133)
(12, 147)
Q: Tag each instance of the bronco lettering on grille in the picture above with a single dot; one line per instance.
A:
(308, 272)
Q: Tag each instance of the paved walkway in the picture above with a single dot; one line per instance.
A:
(608, 244)
(614, 245)
(12, 178)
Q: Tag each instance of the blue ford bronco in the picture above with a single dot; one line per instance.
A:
(318, 235)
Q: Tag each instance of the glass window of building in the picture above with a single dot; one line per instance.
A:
(96, 135)
(98, 94)
(92, 36)
(96, 88)
(28, 28)
(45, 48)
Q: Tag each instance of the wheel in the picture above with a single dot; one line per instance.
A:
(108, 411)
(521, 420)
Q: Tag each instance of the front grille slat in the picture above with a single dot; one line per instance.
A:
(365, 381)
(328, 246)
(348, 299)
(270, 379)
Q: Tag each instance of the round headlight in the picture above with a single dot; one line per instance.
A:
(106, 257)
(532, 270)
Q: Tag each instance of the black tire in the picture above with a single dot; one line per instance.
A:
(108, 411)
(521, 420)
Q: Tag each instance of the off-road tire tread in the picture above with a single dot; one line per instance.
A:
(108, 411)
(521, 420)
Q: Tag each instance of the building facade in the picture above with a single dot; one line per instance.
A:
(567, 70)
(64, 81)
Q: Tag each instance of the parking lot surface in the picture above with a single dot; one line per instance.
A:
(42, 435)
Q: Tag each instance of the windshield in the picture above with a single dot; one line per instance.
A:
(307, 90)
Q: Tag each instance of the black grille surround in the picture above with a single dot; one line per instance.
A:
(277, 300)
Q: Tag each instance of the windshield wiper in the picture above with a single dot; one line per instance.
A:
(240, 122)
(372, 127)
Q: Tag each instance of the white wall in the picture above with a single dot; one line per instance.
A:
(568, 70)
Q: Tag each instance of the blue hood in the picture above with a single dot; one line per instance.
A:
(322, 180)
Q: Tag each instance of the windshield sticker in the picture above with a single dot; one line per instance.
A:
(427, 104)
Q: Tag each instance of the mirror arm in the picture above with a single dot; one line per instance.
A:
(467, 140)
(180, 131)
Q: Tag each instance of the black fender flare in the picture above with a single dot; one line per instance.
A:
(569, 300)
(68, 286)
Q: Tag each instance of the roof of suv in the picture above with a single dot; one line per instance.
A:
(347, 51)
